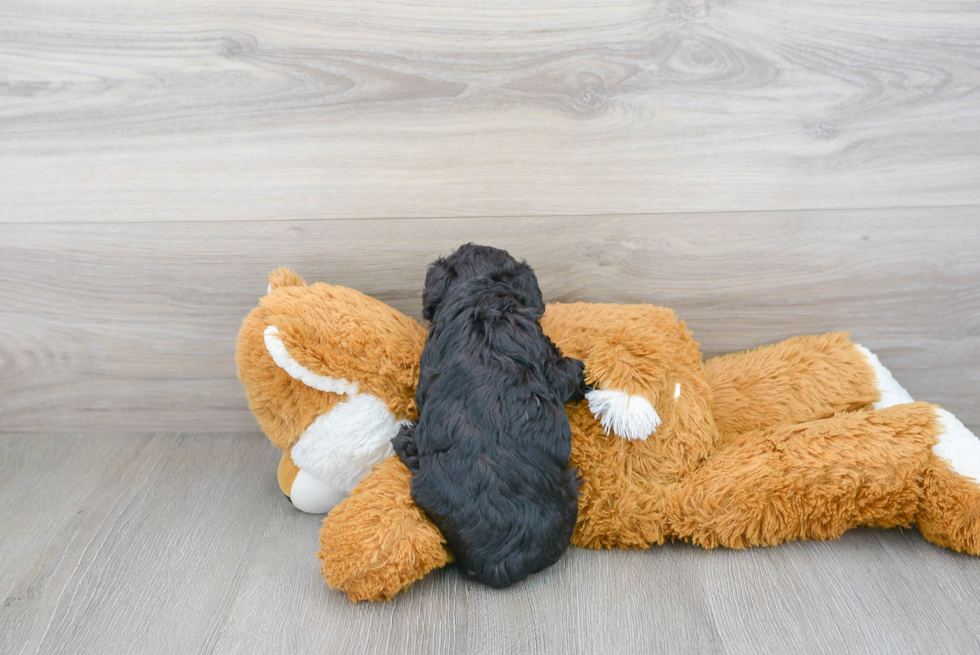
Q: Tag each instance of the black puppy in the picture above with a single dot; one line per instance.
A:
(489, 453)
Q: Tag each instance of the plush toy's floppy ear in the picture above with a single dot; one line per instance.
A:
(283, 406)
(281, 356)
(339, 340)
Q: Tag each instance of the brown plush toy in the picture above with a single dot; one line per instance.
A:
(802, 439)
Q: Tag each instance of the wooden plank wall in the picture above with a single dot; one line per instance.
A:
(766, 169)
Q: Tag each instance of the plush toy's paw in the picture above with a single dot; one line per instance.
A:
(950, 512)
(958, 446)
(892, 393)
(377, 542)
(628, 416)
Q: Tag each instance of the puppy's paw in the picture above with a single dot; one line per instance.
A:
(404, 446)
(630, 417)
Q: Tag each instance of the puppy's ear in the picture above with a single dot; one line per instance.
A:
(437, 280)
(526, 282)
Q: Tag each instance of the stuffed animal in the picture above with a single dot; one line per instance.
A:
(802, 439)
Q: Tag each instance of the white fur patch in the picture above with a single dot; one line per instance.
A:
(677, 391)
(313, 496)
(297, 371)
(958, 446)
(340, 447)
(630, 417)
(892, 393)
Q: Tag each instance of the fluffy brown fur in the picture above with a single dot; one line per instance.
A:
(949, 514)
(385, 543)
(759, 448)
(815, 480)
(793, 381)
(333, 331)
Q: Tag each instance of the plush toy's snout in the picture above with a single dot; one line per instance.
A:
(305, 492)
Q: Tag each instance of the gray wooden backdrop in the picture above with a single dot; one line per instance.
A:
(765, 168)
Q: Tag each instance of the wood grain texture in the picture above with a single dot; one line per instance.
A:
(164, 543)
(133, 326)
(296, 109)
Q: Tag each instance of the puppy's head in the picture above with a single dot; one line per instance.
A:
(471, 261)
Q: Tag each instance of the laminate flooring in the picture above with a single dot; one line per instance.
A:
(182, 543)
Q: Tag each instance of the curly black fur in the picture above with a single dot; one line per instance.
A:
(489, 453)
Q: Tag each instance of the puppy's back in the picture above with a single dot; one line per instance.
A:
(490, 465)
(490, 452)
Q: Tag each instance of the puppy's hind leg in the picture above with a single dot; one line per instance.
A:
(404, 445)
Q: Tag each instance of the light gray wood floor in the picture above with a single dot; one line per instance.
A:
(182, 543)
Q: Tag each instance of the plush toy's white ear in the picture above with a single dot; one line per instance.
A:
(280, 355)
(628, 416)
